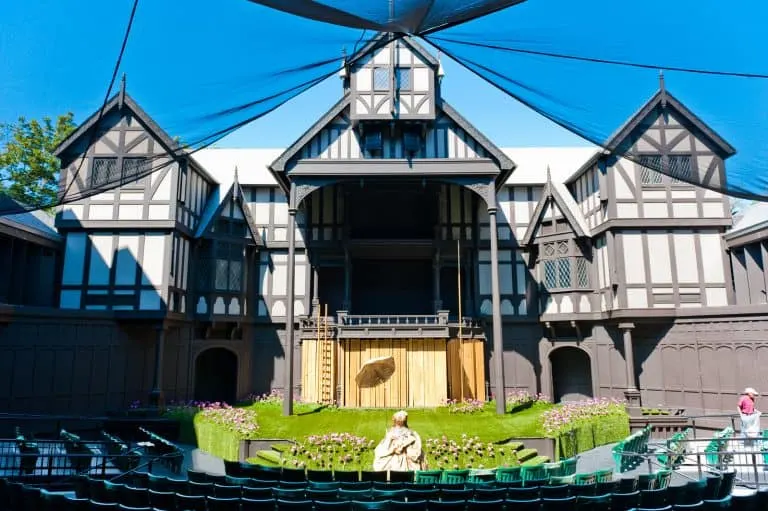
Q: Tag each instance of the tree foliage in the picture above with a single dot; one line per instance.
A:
(28, 169)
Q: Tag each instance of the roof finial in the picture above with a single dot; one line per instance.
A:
(549, 175)
(662, 89)
(121, 98)
(236, 185)
(440, 71)
(343, 70)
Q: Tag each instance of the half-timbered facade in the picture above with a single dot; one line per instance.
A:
(393, 226)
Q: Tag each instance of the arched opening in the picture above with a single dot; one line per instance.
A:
(216, 376)
(571, 374)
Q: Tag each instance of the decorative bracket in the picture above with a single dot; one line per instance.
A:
(301, 189)
(484, 187)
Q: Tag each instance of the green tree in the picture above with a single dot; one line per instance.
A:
(29, 171)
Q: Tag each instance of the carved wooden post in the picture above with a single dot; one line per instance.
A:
(289, 319)
(437, 302)
(498, 343)
(632, 394)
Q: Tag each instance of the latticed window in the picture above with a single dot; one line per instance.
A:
(403, 78)
(228, 267)
(563, 267)
(680, 168)
(104, 172)
(134, 169)
(649, 175)
(381, 78)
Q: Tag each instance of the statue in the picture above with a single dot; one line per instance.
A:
(400, 451)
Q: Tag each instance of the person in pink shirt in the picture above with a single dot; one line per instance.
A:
(750, 417)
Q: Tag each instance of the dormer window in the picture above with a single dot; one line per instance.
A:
(563, 266)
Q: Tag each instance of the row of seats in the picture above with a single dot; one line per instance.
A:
(562, 468)
(37, 500)
(627, 454)
(675, 448)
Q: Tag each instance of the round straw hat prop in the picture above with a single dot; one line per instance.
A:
(375, 371)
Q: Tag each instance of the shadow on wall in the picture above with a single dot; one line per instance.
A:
(96, 353)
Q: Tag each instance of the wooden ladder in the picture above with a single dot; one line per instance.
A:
(326, 358)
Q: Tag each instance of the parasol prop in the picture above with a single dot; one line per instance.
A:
(375, 372)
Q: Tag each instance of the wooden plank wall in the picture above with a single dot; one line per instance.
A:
(311, 370)
(420, 377)
(470, 372)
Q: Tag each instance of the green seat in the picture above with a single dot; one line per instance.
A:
(558, 480)
(663, 477)
(584, 479)
(508, 474)
(594, 503)
(427, 476)
(568, 466)
(454, 476)
(553, 469)
(482, 476)
(531, 472)
(604, 476)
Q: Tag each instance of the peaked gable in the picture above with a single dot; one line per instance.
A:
(217, 205)
(556, 195)
(335, 137)
(664, 103)
(118, 102)
(382, 39)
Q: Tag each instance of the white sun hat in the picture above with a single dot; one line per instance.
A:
(750, 390)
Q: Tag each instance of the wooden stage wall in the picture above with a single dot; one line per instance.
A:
(426, 370)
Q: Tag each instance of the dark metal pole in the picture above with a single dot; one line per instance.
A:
(289, 319)
(156, 394)
(498, 343)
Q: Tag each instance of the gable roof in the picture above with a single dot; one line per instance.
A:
(506, 165)
(151, 126)
(559, 194)
(658, 100)
(376, 43)
(215, 205)
(36, 222)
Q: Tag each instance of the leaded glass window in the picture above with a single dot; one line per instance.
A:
(403, 78)
(563, 265)
(228, 267)
(104, 172)
(680, 168)
(648, 173)
(381, 78)
(133, 167)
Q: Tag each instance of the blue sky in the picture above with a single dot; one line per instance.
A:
(183, 63)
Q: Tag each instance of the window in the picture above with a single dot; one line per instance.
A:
(381, 78)
(133, 167)
(228, 267)
(679, 169)
(648, 173)
(562, 267)
(403, 78)
(104, 171)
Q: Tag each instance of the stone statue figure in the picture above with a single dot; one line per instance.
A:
(400, 451)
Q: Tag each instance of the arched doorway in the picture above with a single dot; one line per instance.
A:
(571, 374)
(216, 376)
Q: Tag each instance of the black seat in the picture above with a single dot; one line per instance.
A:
(222, 491)
(219, 504)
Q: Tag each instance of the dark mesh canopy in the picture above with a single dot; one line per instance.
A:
(207, 69)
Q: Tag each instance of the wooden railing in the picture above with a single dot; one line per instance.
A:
(345, 319)
(382, 326)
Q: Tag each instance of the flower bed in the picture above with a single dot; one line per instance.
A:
(468, 452)
(339, 451)
(583, 425)
(466, 406)
(521, 399)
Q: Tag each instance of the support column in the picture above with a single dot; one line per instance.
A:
(315, 291)
(156, 398)
(347, 281)
(437, 302)
(632, 394)
(289, 319)
(498, 343)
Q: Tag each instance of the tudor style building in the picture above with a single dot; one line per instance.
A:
(579, 273)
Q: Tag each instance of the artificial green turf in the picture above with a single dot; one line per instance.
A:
(372, 423)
